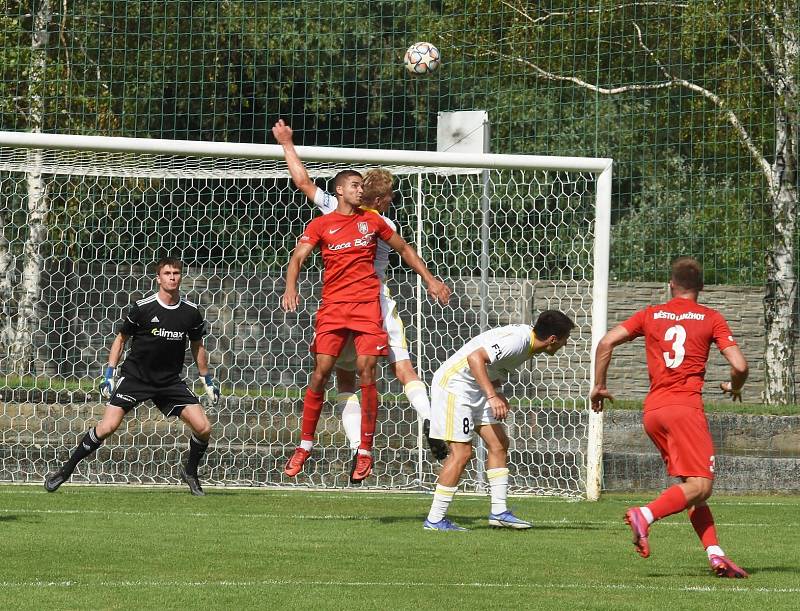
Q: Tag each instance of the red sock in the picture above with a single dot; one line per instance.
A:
(369, 414)
(672, 500)
(703, 523)
(312, 407)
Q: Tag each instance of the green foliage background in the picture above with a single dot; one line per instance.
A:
(213, 70)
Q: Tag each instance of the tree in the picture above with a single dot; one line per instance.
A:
(20, 333)
(731, 56)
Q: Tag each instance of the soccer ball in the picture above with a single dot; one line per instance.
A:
(422, 58)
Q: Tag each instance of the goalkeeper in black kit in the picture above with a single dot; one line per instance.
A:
(159, 327)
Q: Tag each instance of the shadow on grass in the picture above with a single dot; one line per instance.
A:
(213, 492)
(582, 527)
(770, 569)
(708, 578)
(410, 518)
(464, 521)
(480, 523)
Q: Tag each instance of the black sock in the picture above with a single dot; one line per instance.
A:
(88, 444)
(197, 448)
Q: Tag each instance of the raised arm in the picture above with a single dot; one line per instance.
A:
(297, 170)
(602, 359)
(291, 299)
(436, 288)
(739, 372)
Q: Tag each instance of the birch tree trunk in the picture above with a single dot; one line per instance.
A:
(21, 352)
(780, 299)
(6, 291)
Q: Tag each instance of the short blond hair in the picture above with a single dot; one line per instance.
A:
(377, 183)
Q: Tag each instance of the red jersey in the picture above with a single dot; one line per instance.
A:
(348, 244)
(678, 335)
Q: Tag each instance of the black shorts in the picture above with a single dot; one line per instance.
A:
(170, 399)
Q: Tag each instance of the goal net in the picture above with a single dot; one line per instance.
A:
(84, 218)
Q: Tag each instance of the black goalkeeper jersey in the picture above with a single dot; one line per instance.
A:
(159, 334)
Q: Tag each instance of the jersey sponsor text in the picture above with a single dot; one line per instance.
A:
(167, 334)
(672, 316)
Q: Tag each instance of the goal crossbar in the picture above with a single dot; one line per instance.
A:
(231, 150)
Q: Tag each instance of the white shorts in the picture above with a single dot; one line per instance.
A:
(454, 415)
(398, 347)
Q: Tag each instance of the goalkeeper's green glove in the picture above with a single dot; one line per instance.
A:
(211, 388)
(108, 384)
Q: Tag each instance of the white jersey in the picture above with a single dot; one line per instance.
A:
(507, 347)
(458, 405)
(327, 203)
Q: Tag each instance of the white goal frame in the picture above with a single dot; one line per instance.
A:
(599, 168)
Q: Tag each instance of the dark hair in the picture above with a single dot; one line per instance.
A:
(342, 176)
(553, 322)
(687, 274)
(171, 261)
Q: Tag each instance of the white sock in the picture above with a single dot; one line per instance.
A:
(441, 501)
(306, 445)
(351, 417)
(498, 489)
(648, 515)
(715, 550)
(418, 397)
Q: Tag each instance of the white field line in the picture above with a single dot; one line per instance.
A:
(714, 502)
(341, 517)
(291, 492)
(194, 514)
(272, 492)
(591, 586)
(32, 487)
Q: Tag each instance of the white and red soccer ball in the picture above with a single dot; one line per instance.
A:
(422, 58)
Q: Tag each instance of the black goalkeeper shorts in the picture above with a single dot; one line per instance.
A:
(170, 399)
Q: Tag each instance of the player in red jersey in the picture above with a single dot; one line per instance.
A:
(378, 194)
(678, 335)
(348, 239)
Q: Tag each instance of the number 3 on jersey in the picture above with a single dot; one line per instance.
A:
(676, 335)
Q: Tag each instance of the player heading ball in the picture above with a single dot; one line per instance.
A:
(348, 240)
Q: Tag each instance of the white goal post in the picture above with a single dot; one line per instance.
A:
(82, 218)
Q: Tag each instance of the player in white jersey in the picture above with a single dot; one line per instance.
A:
(467, 398)
(377, 195)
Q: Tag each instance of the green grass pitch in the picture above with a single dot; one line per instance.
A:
(104, 547)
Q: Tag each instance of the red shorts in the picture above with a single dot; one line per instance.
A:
(336, 322)
(681, 435)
